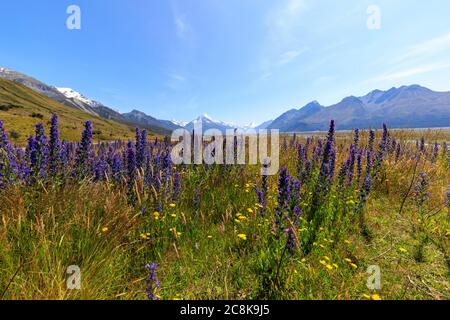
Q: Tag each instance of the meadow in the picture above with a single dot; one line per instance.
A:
(142, 228)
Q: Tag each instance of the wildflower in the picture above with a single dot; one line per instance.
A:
(172, 205)
(210, 237)
(38, 148)
(156, 215)
(145, 236)
(403, 250)
(176, 186)
(249, 210)
(329, 267)
(242, 236)
(421, 191)
(291, 244)
(177, 297)
(348, 260)
(105, 229)
(376, 297)
(152, 282)
(82, 165)
(354, 266)
(131, 170)
(54, 146)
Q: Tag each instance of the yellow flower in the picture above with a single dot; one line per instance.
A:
(242, 236)
(329, 267)
(327, 258)
(403, 250)
(172, 205)
(348, 260)
(347, 241)
(173, 215)
(323, 262)
(105, 230)
(335, 265)
(156, 215)
(354, 266)
(210, 237)
(144, 236)
(250, 210)
(242, 218)
(177, 297)
(376, 297)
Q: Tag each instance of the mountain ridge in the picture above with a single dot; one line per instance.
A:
(410, 106)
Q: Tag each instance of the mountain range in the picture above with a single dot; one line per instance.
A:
(405, 107)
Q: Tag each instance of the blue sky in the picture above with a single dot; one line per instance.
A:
(237, 60)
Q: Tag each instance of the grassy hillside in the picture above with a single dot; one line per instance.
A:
(21, 107)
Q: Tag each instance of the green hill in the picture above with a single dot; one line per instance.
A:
(21, 108)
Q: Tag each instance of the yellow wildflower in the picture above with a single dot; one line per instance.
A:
(105, 230)
(144, 236)
(242, 236)
(376, 297)
(354, 266)
(172, 205)
(403, 250)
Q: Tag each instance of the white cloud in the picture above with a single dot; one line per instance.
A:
(183, 27)
(289, 56)
(175, 81)
(406, 73)
(426, 49)
(283, 21)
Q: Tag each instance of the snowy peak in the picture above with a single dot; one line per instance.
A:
(72, 94)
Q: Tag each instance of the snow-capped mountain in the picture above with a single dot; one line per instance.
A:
(209, 123)
(72, 94)
(74, 99)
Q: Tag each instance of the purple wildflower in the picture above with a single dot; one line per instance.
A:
(54, 147)
(421, 191)
(82, 164)
(152, 282)
(131, 170)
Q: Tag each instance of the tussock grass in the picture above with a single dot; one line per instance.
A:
(46, 228)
